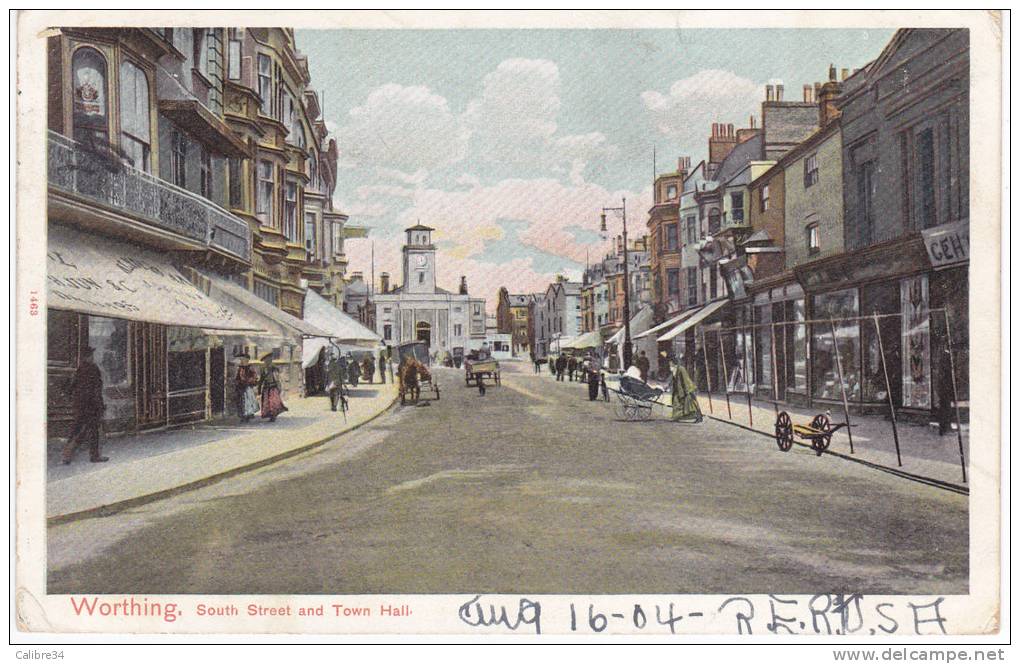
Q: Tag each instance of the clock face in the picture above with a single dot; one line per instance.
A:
(421, 261)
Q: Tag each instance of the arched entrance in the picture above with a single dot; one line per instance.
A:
(423, 332)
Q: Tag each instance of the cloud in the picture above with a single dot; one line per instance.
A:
(686, 112)
(402, 129)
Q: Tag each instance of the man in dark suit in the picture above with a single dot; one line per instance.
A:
(87, 400)
(335, 383)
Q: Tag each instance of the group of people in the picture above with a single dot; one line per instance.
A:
(344, 369)
(258, 390)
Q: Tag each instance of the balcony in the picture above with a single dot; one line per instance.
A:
(101, 177)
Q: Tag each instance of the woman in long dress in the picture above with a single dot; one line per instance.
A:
(269, 389)
(245, 381)
(685, 396)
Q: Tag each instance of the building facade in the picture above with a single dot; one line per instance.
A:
(419, 310)
(512, 319)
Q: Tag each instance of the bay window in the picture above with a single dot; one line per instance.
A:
(290, 212)
(134, 115)
(266, 183)
(90, 118)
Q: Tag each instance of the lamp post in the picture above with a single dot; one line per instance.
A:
(628, 350)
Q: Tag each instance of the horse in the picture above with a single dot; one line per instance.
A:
(412, 373)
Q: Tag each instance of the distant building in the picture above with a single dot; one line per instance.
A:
(512, 319)
(419, 310)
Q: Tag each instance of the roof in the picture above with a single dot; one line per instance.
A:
(420, 227)
(518, 300)
(738, 159)
(322, 314)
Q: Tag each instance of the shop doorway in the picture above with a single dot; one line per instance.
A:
(148, 361)
(423, 332)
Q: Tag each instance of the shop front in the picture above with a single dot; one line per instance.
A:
(146, 324)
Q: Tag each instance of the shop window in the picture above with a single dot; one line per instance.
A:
(134, 115)
(842, 308)
(881, 299)
(797, 347)
(109, 338)
(61, 338)
(916, 342)
(186, 370)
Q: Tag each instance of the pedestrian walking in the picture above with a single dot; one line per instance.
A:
(244, 385)
(561, 367)
(88, 406)
(684, 396)
(368, 367)
(643, 365)
(593, 383)
(353, 370)
(552, 365)
(335, 384)
(382, 367)
(571, 367)
(269, 389)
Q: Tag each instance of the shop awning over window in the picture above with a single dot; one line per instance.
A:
(698, 317)
(99, 276)
(638, 323)
(341, 327)
(230, 293)
(587, 340)
(669, 323)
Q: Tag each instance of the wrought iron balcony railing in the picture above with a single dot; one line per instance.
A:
(100, 175)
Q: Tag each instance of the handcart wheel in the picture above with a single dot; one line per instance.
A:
(784, 432)
(646, 413)
(821, 422)
(821, 443)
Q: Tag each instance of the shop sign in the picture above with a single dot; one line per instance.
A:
(948, 244)
(916, 342)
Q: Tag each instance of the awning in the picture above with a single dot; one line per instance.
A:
(638, 323)
(587, 340)
(701, 315)
(100, 276)
(266, 310)
(311, 347)
(322, 314)
(668, 324)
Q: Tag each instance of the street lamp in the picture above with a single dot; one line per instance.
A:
(628, 349)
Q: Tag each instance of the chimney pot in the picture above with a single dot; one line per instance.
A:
(807, 92)
(844, 74)
(768, 93)
(732, 131)
(779, 93)
(832, 72)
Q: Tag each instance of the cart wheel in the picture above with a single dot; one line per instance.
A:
(619, 409)
(646, 413)
(821, 422)
(784, 432)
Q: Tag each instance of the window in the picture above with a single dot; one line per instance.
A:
(266, 83)
(478, 310)
(268, 293)
(214, 69)
(764, 197)
(671, 237)
(290, 212)
(458, 330)
(841, 307)
(421, 277)
(926, 179)
(813, 243)
(236, 191)
(234, 55)
(205, 174)
(810, 170)
(178, 157)
(313, 171)
(90, 111)
(865, 203)
(673, 282)
(692, 285)
(692, 229)
(265, 198)
(713, 281)
(310, 245)
(713, 222)
(671, 192)
(737, 207)
(387, 332)
(134, 115)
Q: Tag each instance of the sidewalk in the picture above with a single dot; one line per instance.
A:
(145, 467)
(925, 454)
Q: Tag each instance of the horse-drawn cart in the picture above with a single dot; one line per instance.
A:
(475, 370)
(413, 372)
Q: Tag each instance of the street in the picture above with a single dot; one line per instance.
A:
(530, 489)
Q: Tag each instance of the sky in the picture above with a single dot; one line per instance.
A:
(509, 142)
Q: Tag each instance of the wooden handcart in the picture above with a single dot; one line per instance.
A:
(475, 370)
(819, 432)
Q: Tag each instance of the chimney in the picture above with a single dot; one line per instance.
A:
(722, 141)
(768, 93)
(729, 131)
(809, 95)
(463, 285)
(844, 74)
(832, 72)
(779, 92)
(752, 122)
(830, 92)
(818, 90)
(384, 282)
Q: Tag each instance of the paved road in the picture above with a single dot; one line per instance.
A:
(531, 489)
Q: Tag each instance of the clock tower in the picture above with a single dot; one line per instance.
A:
(419, 260)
